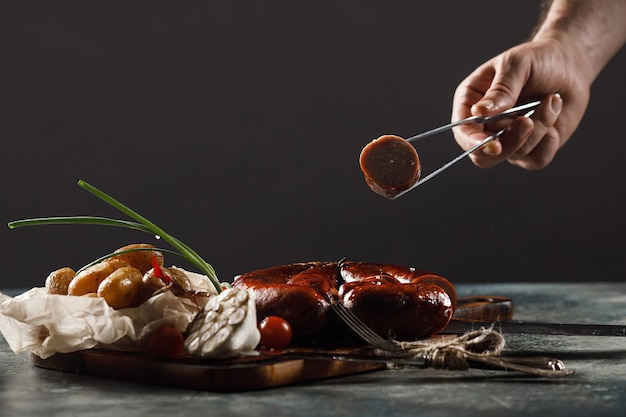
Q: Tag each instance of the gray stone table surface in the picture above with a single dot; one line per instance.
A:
(597, 388)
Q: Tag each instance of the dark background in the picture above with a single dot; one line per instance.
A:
(237, 125)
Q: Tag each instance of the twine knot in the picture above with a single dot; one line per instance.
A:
(453, 354)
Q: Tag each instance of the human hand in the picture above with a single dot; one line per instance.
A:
(538, 70)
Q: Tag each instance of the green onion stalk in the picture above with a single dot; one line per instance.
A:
(140, 223)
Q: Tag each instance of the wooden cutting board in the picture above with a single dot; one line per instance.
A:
(241, 374)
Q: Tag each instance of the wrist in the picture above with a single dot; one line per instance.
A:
(588, 34)
(572, 54)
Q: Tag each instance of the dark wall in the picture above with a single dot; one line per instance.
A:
(237, 125)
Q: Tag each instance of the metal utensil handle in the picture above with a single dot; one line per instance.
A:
(484, 308)
(477, 119)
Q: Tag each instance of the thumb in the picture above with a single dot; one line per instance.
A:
(503, 93)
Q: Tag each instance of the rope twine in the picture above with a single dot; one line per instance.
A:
(453, 354)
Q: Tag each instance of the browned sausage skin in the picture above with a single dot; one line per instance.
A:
(358, 271)
(396, 301)
(402, 311)
(294, 292)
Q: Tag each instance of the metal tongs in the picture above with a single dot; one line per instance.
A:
(528, 108)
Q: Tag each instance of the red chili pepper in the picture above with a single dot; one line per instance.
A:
(158, 272)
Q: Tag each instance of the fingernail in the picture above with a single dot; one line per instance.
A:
(489, 149)
(556, 103)
(486, 104)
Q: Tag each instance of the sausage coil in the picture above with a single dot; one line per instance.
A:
(396, 301)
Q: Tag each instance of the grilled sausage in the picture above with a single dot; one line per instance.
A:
(397, 301)
(295, 292)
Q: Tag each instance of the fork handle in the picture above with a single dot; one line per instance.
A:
(484, 308)
(539, 366)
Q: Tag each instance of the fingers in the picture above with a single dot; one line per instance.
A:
(471, 90)
(528, 143)
(510, 76)
(525, 72)
(499, 150)
(536, 151)
(543, 153)
(493, 87)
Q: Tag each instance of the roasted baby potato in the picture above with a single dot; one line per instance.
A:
(58, 281)
(142, 260)
(121, 288)
(89, 279)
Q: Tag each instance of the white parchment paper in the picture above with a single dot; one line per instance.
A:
(46, 324)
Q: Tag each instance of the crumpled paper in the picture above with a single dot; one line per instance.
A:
(46, 324)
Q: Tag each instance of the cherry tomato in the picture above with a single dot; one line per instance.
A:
(166, 342)
(275, 332)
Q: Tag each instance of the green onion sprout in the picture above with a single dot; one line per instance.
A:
(140, 223)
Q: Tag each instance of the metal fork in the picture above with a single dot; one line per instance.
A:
(361, 329)
(539, 365)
